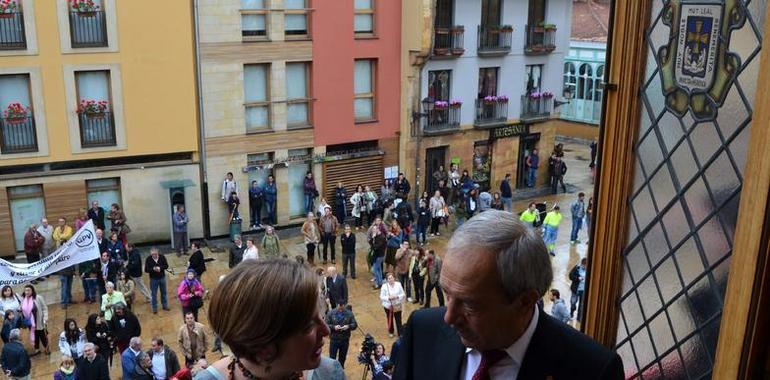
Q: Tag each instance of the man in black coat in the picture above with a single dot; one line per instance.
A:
(134, 268)
(197, 261)
(92, 366)
(336, 287)
(124, 326)
(492, 317)
(236, 252)
(96, 214)
(107, 271)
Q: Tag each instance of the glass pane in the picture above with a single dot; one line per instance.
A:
(363, 23)
(24, 212)
(297, 114)
(296, 23)
(688, 183)
(257, 117)
(296, 80)
(14, 89)
(93, 85)
(252, 4)
(255, 83)
(294, 4)
(363, 4)
(253, 23)
(364, 108)
(297, 173)
(105, 199)
(362, 79)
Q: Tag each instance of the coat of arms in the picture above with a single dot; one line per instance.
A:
(697, 69)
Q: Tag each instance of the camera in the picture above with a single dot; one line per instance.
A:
(367, 350)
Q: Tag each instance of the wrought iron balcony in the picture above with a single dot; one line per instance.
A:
(492, 113)
(494, 40)
(12, 31)
(449, 42)
(442, 120)
(97, 130)
(540, 39)
(88, 29)
(535, 108)
(18, 135)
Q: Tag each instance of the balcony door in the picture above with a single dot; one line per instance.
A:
(491, 12)
(487, 82)
(444, 14)
(536, 12)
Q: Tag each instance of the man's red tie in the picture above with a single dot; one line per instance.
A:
(488, 360)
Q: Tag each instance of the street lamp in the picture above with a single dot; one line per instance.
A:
(567, 93)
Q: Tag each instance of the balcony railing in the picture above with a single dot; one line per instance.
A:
(494, 40)
(442, 120)
(449, 42)
(536, 108)
(97, 130)
(12, 31)
(491, 113)
(88, 29)
(18, 135)
(540, 39)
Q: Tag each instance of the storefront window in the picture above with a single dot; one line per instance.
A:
(27, 207)
(297, 171)
(106, 191)
(482, 162)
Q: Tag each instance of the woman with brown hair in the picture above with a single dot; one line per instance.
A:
(312, 235)
(395, 237)
(119, 225)
(266, 311)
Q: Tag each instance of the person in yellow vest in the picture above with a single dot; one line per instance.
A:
(551, 228)
(62, 232)
(530, 215)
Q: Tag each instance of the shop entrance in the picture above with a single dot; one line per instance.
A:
(526, 144)
(434, 158)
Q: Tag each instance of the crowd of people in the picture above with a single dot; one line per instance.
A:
(403, 270)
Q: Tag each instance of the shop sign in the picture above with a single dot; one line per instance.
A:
(509, 131)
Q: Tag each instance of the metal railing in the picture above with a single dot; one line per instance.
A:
(12, 35)
(489, 113)
(536, 108)
(88, 29)
(97, 130)
(442, 119)
(449, 41)
(18, 135)
(494, 40)
(540, 39)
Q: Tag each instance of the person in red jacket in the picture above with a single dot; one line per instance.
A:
(33, 244)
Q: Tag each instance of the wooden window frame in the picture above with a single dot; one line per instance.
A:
(371, 12)
(266, 103)
(111, 101)
(102, 188)
(307, 11)
(741, 317)
(368, 95)
(307, 100)
(266, 13)
(437, 73)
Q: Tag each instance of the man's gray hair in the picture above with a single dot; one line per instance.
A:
(14, 335)
(89, 344)
(135, 341)
(109, 284)
(522, 258)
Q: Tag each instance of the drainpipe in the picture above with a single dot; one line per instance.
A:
(202, 173)
(420, 58)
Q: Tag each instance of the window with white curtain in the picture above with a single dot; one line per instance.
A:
(256, 84)
(297, 94)
(534, 78)
(93, 85)
(295, 17)
(253, 18)
(363, 20)
(14, 89)
(364, 87)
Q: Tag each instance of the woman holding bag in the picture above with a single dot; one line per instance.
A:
(35, 314)
(190, 293)
(392, 297)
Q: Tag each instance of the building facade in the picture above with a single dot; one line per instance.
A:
(85, 120)
(583, 76)
(484, 87)
(291, 86)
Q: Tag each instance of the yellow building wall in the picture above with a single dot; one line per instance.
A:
(157, 65)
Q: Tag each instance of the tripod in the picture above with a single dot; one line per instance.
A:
(367, 368)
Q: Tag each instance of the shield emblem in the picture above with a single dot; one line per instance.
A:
(697, 69)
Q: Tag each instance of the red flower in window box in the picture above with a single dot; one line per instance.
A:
(15, 113)
(84, 8)
(8, 8)
(93, 108)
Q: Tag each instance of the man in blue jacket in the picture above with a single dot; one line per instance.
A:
(256, 196)
(128, 357)
(14, 359)
(271, 194)
(506, 193)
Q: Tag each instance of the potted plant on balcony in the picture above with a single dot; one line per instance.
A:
(506, 29)
(490, 100)
(502, 99)
(440, 105)
(15, 113)
(455, 104)
(549, 27)
(8, 8)
(441, 51)
(93, 109)
(84, 8)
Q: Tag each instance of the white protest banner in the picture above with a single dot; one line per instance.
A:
(81, 247)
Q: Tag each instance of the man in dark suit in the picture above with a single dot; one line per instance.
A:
(92, 366)
(337, 287)
(492, 327)
(96, 214)
(108, 271)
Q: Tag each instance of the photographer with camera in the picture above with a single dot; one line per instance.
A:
(341, 322)
(372, 356)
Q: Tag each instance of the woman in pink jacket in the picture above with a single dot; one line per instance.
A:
(190, 293)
